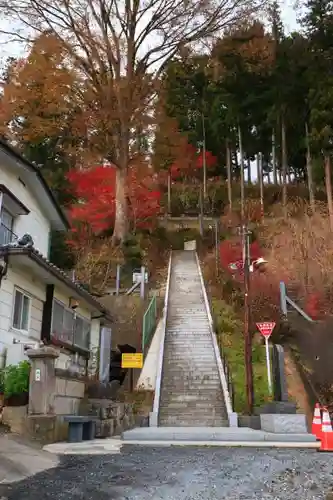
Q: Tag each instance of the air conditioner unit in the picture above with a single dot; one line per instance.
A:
(16, 353)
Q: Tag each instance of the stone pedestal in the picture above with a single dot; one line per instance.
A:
(284, 424)
(42, 386)
(280, 407)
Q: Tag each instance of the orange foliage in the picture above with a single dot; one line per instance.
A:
(40, 90)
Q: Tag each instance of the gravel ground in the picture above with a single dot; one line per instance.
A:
(144, 473)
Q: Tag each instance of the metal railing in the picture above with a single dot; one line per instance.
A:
(6, 235)
(226, 380)
(153, 419)
(227, 372)
(286, 301)
(149, 324)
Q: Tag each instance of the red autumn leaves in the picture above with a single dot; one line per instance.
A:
(95, 190)
(190, 162)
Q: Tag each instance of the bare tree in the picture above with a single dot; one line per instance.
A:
(121, 47)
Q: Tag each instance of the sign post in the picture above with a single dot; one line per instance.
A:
(266, 330)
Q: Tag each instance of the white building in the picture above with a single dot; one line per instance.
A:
(38, 301)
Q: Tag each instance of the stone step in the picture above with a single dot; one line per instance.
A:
(200, 375)
(187, 397)
(198, 407)
(190, 417)
(182, 334)
(203, 379)
(183, 339)
(189, 375)
(185, 422)
(188, 384)
(204, 362)
(191, 392)
(193, 365)
(186, 357)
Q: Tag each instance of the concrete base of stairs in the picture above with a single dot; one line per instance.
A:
(216, 436)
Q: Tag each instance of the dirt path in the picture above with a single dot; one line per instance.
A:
(296, 389)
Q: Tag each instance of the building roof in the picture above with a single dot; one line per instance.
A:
(36, 256)
(10, 151)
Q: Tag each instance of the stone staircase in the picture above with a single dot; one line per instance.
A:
(191, 391)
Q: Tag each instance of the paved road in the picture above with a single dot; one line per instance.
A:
(144, 473)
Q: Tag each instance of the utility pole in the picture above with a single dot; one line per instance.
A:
(242, 181)
(204, 166)
(247, 334)
(274, 158)
(261, 184)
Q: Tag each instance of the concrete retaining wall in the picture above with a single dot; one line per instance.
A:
(69, 393)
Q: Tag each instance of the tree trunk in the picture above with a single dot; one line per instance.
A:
(275, 179)
(309, 170)
(328, 183)
(261, 185)
(284, 168)
(237, 171)
(121, 215)
(258, 168)
(242, 184)
(249, 180)
(169, 193)
(229, 176)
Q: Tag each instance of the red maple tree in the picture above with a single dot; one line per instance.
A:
(190, 161)
(231, 254)
(94, 189)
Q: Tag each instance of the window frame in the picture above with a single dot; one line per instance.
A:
(7, 229)
(29, 297)
(71, 344)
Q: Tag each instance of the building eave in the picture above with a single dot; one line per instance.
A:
(10, 151)
(60, 275)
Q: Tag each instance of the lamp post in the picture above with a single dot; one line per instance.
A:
(247, 334)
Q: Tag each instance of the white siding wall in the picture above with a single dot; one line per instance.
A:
(35, 290)
(35, 223)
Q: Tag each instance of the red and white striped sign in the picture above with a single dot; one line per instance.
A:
(266, 329)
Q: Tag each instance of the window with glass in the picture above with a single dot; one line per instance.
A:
(6, 227)
(69, 327)
(21, 311)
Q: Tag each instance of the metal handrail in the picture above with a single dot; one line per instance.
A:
(153, 420)
(284, 301)
(149, 324)
(232, 416)
(4, 231)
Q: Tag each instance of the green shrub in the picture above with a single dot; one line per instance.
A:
(2, 381)
(229, 330)
(185, 198)
(16, 379)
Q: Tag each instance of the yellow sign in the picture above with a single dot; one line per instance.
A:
(132, 360)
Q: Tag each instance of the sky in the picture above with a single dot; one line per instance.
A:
(14, 49)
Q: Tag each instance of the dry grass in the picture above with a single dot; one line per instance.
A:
(96, 263)
(300, 250)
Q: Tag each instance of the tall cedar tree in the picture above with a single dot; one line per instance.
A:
(120, 48)
(319, 26)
